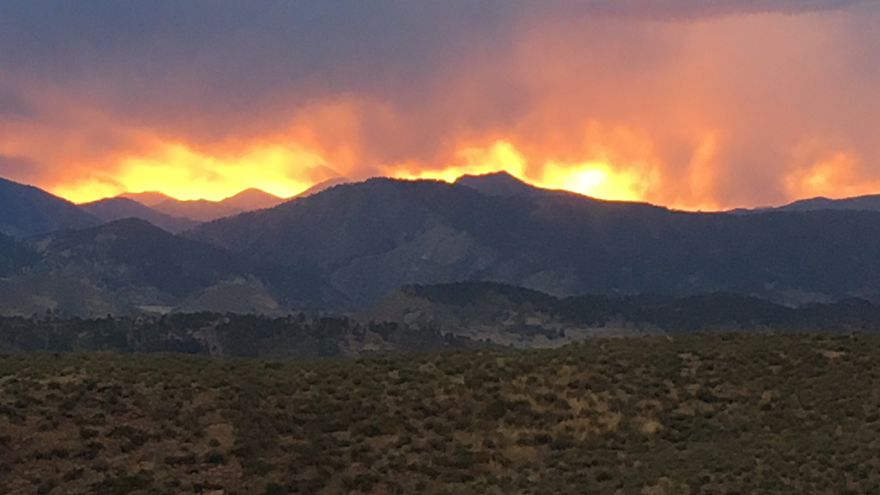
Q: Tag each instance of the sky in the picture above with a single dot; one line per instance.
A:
(692, 104)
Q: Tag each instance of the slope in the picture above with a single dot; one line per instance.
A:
(26, 210)
(502, 184)
(866, 203)
(144, 266)
(371, 238)
(517, 317)
(111, 209)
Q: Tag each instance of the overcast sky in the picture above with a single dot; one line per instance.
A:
(699, 103)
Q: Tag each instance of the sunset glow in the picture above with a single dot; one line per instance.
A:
(690, 105)
(592, 178)
(187, 175)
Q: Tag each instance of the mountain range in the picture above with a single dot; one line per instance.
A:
(203, 210)
(368, 239)
(26, 210)
(346, 247)
(119, 208)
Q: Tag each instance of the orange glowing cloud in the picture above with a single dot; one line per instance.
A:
(689, 111)
(593, 178)
(836, 176)
(185, 174)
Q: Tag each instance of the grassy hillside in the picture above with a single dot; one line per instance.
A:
(694, 414)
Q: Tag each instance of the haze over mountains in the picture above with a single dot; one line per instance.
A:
(111, 209)
(204, 210)
(347, 247)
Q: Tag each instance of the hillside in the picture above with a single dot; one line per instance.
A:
(14, 255)
(133, 264)
(27, 210)
(503, 184)
(864, 203)
(523, 318)
(292, 336)
(323, 186)
(112, 209)
(368, 239)
(239, 317)
(697, 414)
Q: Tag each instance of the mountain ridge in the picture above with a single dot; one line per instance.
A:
(27, 210)
(372, 237)
(118, 208)
(203, 210)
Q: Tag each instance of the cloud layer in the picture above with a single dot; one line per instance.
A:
(690, 103)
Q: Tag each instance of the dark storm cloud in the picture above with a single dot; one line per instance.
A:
(232, 52)
(20, 168)
(392, 81)
(298, 39)
(11, 103)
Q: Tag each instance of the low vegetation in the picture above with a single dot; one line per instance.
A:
(231, 335)
(714, 414)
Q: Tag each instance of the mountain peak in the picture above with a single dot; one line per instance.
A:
(27, 210)
(500, 183)
(252, 199)
(149, 198)
(322, 186)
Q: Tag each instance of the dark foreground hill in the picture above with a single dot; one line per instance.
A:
(481, 315)
(369, 239)
(524, 318)
(229, 335)
(27, 210)
(699, 414)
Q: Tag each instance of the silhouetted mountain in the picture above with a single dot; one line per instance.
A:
(111, 209)
(866, 203)
(322, 186)
(252, 199)
(27, 210)
(502, 184)
(856, 203)
(372, 237)
(202, 210)
(149, 198)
